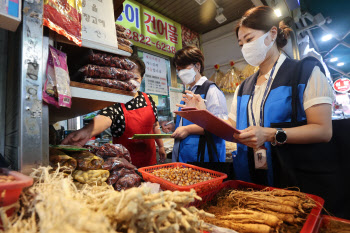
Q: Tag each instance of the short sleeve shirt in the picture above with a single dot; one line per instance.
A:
(116, 114)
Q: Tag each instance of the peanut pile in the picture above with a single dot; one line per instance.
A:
(6, 178)
(182, 176)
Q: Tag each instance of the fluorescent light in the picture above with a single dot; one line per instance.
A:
(200, 2)
(278, 12)
(340, 64)
(327, 37)
(333, 59)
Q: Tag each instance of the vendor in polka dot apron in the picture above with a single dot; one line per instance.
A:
(138, 116)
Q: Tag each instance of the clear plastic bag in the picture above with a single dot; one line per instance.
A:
(113, 150)
(231, 80)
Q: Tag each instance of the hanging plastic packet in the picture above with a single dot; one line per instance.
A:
(217, 77)
(232, 79)
(56, 88)
(249, 70)
(64, 17)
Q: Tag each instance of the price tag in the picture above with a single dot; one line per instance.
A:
(260, 158)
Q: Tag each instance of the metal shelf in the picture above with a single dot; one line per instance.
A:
(88, 98)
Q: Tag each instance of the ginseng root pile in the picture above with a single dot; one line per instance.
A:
(260, 211)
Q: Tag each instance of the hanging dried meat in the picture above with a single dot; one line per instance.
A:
(88, 161)
(103, 59)
(111, 83)
(104, 72)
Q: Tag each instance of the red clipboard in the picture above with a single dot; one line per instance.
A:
(209, 122)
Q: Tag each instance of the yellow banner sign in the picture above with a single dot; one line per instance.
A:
(149, 29)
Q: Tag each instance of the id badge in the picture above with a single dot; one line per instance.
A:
(260, 158)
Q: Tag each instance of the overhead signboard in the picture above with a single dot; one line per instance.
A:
(342, 85)
(149, 29)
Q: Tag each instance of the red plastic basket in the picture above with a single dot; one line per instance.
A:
(202, 187)
(310, 225)
(9, 192)
(325, 224)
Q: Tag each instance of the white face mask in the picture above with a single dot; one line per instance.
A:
(255, 52)
(187, 76)
(137, 84)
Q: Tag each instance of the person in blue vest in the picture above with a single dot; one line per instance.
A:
(264, 100)
(193, 143)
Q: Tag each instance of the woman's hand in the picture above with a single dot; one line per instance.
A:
(192, 101)
(255, 136)
(180, 133)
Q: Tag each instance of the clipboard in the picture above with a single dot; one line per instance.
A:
(209, 122)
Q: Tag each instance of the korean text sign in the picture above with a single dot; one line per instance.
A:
(149, 29)
(155, 75)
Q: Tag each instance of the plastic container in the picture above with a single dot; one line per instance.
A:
(202, 187)
(332, 224)
(10, 191)
(310, 225)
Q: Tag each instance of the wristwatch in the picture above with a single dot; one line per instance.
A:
(280, 137)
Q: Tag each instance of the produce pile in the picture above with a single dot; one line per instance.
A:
(260, 211)
(109, 71)
(109, 164)
(54, 204)
(182, 176)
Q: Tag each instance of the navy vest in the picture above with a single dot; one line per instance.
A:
(191, 146)
(277, 109)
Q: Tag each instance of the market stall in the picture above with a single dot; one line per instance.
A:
(78, 63)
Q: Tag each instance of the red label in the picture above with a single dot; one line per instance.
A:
(342, 85)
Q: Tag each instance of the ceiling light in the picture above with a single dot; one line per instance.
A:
(327, 37)
(340, 64)
(278, 12)
(220, 17)
(200, 2)
(333, 59)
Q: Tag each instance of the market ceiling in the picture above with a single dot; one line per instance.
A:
(199, 18)
(338, 11)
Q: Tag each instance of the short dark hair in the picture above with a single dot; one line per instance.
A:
(264, 18)
(140, 64)
(189, 55)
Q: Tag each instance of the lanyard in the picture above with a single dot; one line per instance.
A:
(263, 99)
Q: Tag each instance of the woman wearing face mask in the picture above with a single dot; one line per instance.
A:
(264, 100)
(138, 116)
(192, 143)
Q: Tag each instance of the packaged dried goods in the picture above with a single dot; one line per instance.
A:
(124, 41)
(56, 88)
(104, 59)
(59, 158)
(128, 181)
(64, 17)
(88, 161)
(113, 150)
(120, 28)
(111, 83)
(91, 176)
(115, 175)
(121, 35)
(105, 72)
(112, 163)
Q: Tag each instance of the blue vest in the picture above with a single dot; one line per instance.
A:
(277, 109)
(189, 147)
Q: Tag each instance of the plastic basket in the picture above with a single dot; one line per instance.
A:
(332, 224)
(202, 187)
(10, 191)
(310, 225)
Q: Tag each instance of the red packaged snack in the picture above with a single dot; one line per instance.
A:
(104, 72)
(64, 17)
(117, 174)
(113, 150)
(111, 83)
(128, 181)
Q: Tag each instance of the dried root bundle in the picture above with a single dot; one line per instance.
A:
(54, 204)
(260, 211)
